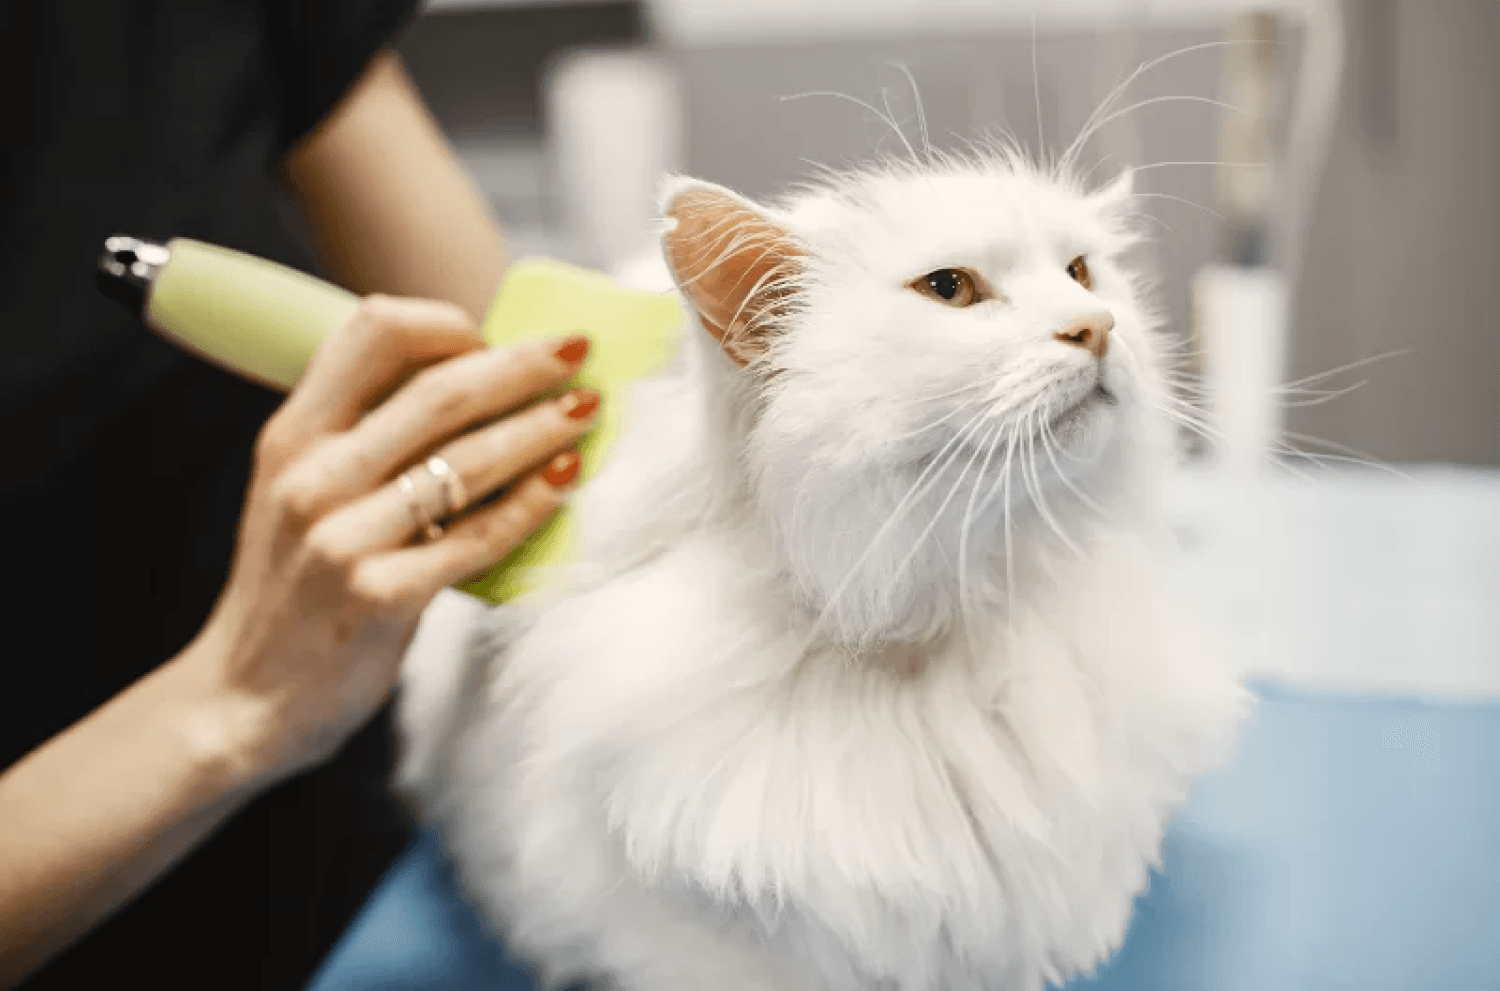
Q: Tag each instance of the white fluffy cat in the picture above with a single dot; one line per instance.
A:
(869, 677)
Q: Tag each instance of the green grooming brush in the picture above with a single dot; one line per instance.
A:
(265, 321)
(632, 335)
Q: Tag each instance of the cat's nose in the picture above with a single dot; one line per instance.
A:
(1091, 333)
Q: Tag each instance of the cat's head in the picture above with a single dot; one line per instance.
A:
(911, 352)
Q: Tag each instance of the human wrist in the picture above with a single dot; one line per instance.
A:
(230, 735)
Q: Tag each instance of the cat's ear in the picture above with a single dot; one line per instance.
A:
(1116, 205)
(1118, 193)
(737, 266)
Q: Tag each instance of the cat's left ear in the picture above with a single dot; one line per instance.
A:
(737, 266)
(1118, 194)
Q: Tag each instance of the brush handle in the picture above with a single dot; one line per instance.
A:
(262, 320)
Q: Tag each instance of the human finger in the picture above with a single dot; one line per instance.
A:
(476, 542)
(482, 462)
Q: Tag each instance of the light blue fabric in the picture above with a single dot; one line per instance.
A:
(1354, 843)
(416, 933)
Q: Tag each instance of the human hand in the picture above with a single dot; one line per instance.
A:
(332, 572)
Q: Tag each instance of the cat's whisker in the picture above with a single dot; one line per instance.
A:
(1177, 402)
(1022, 454)
(1350, 455)
(1177, 199)
(1001, 487)
(1288, 452)
(1043, 506)
(1324, 460)
(1010, 558)
(1301, 391)
(961, 390)
(1179, 343)
(883, 118)
(932, 524)
(1179, 358)
(1191, 420)
(932, 465)
(1084, 181)
(1158, 221)
(1193, 385)
(1142, 104)
(1180, 354)
(1214, 164)
(919, 488)
(1036, 90)
(885, 99)
(935, 424)
(1198, 390)
(1039, 496)
(916, 95)
(1128, 351)
(1192, 388)
(1207, 432)
(1048, 445)
(1078, 143)
(1327, 397)
(967, 523)
(966, 597)
(1362, 362)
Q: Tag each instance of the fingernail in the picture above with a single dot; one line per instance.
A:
(573, 349)
(580, 403)
(563, 469)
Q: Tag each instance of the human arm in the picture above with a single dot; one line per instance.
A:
(305, 642)
(390, 206)
(92, 817)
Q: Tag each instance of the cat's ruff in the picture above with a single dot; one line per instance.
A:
(841, 695)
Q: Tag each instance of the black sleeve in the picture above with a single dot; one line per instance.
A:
(318, 48)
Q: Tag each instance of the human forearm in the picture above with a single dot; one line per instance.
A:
(91, 818)
(390, 206)
(331, 574)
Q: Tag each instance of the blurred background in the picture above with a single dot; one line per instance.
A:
(1364, 139)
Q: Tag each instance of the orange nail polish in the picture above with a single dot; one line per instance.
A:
(573, 350)
(580, 403)
(563, 469)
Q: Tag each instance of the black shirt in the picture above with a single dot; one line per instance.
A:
(123, 462)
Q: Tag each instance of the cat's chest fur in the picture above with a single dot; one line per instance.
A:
(977, 810)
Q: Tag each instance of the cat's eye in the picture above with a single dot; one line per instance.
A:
(950, 286)
(1078, 271)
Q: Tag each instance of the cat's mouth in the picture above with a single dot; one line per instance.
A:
(1063, 429)
(1099, 395)
(1076, 424)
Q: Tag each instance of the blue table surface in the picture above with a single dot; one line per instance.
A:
(1353, 843)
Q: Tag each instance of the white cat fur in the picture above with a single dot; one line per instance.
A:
(652, 779)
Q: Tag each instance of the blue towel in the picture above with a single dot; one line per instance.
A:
(1353, 843)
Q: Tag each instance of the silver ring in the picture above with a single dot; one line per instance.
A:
(419, 515)
(453, 486)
